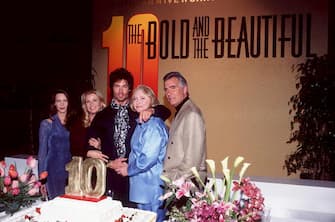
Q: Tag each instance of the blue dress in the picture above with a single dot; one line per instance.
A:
(54, 154)
(145, 165)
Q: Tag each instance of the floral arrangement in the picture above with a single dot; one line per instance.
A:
(190, 199)
(16, 190)
(125, 218)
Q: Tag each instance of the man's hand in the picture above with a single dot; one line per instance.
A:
(123, 171)
(97, 154)
(117, 163)
(146, 114)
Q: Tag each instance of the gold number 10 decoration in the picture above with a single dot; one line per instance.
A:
(80, 177)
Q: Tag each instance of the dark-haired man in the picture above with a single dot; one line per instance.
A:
(115, 125)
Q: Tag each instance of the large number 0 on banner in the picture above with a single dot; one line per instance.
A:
(80, 177)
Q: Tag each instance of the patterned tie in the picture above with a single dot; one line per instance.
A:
(121, 126)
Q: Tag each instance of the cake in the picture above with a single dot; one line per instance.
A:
(63, 209)
(82, 202)
(71, 210)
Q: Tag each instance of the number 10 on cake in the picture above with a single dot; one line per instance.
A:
(80, 178)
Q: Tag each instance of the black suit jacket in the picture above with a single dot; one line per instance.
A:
(103, 127)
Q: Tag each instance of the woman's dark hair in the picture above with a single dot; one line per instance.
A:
(119, 74)
(53, 109)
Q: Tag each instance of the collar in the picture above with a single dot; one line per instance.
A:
(180, 105)
(117, 106)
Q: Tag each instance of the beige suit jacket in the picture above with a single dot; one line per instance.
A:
(187, 143)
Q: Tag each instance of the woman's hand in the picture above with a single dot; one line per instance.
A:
(96, 143)
(97, 154)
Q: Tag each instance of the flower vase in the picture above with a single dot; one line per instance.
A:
(266, 216)
(2, 214)
(2, 207)
(11, 208)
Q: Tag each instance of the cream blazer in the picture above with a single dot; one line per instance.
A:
(187, 143)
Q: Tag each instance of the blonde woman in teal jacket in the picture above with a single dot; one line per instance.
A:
(148, 148)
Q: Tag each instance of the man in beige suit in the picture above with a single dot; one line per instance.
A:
(187, 136)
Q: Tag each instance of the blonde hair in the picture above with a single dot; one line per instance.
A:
(86, 119)
(147, 91)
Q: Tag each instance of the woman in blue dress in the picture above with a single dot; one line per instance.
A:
(54, 145)
(148, 148)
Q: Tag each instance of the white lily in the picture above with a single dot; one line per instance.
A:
(241, 174)
(242, 171)
(211, 165)
(226, 173)
(196, 174)
(166, 179)
(238, 161)
(210, 183)
(224, 163)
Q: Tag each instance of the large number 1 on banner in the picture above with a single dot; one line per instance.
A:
(113, 40)
(141, 48)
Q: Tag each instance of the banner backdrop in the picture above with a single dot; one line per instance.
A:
(236, 55)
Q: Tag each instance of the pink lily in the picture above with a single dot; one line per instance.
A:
(12, 171)
(7, 181)
(2, 172)
(23, 178)
(166, 196)
(2, 164)
(184, 190)
(15, 184)
(37, 184)
(179, 182)
(31, 162)
(33, 191)
(15, 191)
(32, 178)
